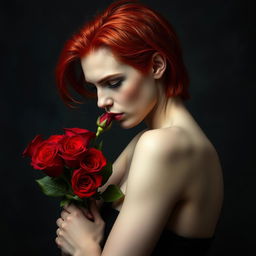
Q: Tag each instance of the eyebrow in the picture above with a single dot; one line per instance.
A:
(107, 78)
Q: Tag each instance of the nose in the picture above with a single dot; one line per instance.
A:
(105, 101)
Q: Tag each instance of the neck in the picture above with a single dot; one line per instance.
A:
(165, 113)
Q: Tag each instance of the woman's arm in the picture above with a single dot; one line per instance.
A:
(120, 165)
(157, 177)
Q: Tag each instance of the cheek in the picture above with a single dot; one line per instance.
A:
(133, 91)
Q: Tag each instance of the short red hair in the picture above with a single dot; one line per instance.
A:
(133, 32)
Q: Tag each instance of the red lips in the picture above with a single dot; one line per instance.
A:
(116, 116)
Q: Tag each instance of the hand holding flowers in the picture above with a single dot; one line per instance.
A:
(75, 168)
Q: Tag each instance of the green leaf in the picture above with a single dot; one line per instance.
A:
(106, 173)
(112, 193)
(77, 198)
(52, 186)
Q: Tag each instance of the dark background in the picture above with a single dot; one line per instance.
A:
(218, 39)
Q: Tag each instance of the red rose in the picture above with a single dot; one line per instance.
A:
(105, 120)
(55, 138)
(93, 161)
(30, 149)
(46, 158)
(84, 184)
(86, 134)
(72, 150)
(74, 145)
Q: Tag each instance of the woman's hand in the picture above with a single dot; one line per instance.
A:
(80, 230)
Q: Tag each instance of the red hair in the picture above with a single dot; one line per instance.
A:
(133, 32)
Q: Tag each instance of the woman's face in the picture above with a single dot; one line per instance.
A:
(125, 90)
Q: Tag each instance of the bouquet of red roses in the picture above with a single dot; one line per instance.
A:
(74, 164)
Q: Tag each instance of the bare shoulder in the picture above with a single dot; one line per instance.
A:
(168, 151)
(171, 140)
(178, 145)
(132, 144)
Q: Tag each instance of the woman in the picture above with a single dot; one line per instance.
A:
(170, 173)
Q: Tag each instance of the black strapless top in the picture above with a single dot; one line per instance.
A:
(169, 243)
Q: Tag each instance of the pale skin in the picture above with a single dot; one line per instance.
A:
(170, 170)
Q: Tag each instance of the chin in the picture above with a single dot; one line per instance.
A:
(128, 124)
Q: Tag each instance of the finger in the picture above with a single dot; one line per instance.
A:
(63, 245)
(59, 222)
(70, 208)
(65, 254)
(58, 232)
(57, 241)
(94, 209)
(87, 213)
(64, 214)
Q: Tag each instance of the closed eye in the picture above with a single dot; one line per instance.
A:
(110, 84)
(114, 84)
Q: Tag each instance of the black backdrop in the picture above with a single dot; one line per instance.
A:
(218, 42)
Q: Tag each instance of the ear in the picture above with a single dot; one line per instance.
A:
(158, 65)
